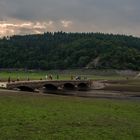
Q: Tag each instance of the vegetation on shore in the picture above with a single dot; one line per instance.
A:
(70, 50)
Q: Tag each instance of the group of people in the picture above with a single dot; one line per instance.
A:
(78, 77)
(18, 79)
(50, 77)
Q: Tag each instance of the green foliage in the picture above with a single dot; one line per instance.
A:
(63, 74)
(70, 50)
(39, 117)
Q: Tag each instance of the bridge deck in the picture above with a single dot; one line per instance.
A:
(40, 83)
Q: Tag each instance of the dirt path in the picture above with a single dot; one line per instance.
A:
(98, 85)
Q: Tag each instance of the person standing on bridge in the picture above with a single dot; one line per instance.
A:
(71, 77)
(17, 78)
(78, 78)
(46, 77)
(85, 78)
(57, 77)
(9, 79)
(28, 79)
(51, 77)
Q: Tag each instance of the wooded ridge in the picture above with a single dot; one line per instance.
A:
(62, 50)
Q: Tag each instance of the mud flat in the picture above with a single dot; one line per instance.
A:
(85, 94)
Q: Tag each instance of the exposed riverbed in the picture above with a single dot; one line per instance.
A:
(85, 94)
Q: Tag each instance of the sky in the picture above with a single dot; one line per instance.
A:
(38, 16)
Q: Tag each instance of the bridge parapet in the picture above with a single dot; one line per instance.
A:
(45, 83)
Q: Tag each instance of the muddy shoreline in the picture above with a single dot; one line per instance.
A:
(84, 94)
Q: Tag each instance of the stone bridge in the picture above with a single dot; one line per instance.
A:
(50, 85)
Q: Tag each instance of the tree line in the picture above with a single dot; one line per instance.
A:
(62, 50)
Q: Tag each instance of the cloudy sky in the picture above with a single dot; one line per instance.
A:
(38, 16)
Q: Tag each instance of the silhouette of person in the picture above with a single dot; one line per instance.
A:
(57, 77)
(9, 79)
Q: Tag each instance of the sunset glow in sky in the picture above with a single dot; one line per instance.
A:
(38, 16)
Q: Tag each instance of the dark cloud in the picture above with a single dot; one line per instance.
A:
(117, 16)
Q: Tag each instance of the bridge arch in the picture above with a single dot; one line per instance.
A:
(25, 88)
(69, 86)
(82, 86)
(50, 87)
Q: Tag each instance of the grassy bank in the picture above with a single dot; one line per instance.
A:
(41, 117)
(63, 74)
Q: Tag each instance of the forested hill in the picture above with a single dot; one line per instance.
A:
(70, 50)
